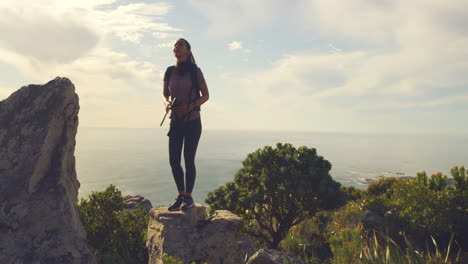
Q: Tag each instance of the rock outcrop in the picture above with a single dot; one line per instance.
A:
(131, 202)
(38, 183)
(269, 256)
(191, 237)
(247, 247)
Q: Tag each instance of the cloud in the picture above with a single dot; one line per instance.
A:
(235, 45)
(165, 35)
(294, 85)
(71, 33)
(130, 22)
(166, 44)
(231, 17)
(403, 79)
(390, 23)
(384, 55)
(398, 51)
(74, 39)
(68, 30)
(373, 21)
(433, 103)
(45, 38)
(333, 48)
(409, 52)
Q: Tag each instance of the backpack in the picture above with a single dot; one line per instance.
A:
(193, 74)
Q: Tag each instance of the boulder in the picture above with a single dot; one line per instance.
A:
(247, 247)
(131, 202)
(39, 222)
(191, 237)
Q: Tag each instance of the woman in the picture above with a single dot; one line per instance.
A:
(183, 83)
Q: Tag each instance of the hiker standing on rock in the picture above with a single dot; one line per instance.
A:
(183, 84)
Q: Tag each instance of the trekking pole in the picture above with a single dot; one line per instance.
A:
(168, 109)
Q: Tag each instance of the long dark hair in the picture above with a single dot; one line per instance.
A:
(183, 67)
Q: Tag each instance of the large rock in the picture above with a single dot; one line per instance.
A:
(38, 185)
(247, 247)
(132, 202)
(191, 237)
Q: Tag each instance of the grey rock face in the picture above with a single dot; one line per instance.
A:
(190, 237)
(131, 202)
(247, 247)
(38, 184)
(269, 256)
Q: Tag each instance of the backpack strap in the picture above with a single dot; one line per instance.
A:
(167, 74)
(195, 85)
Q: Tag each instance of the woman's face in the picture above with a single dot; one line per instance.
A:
(180, 50)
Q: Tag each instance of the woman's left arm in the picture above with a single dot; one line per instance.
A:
(203, 89)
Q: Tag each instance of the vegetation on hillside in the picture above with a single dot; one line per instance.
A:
(114, 234)
(288, 201)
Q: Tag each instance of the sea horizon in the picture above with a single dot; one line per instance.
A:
(388, 133)
(135, 160)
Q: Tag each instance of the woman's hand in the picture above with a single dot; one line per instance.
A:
(167, 104)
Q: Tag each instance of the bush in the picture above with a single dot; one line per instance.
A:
(172, 260)
(381, 187)
(358, 246)
(114, 234)
(424, 206)
(308, 240)
(346, 245)
(347, 216)
(460, 177)
(276, 189)
(352, 193)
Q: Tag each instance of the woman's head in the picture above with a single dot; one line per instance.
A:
(183, 51)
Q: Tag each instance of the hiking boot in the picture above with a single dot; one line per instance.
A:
(178, 202)
(188, 203)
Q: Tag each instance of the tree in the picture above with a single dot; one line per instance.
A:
(276, 189)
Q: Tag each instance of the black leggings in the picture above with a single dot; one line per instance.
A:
(186, 134)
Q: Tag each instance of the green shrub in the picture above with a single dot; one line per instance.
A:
(460, 177)
(276, 189)
(308, 241)
(380, 187)
(357, 246)
(112, 233)
(425, 206)
(352, 193)
(346, 216)
(173, 260)
(346, 245)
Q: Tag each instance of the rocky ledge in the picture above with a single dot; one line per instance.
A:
(193, 237)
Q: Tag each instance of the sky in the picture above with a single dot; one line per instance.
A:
(357, 66)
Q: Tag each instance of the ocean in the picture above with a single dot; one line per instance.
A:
(136, 160)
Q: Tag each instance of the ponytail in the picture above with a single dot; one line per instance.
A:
(191, 59)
